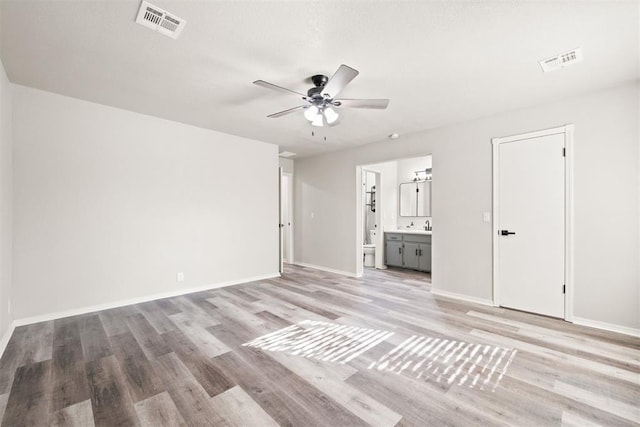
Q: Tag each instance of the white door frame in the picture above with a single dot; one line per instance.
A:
(568, 131)
(280, 230)
(289, 241)
(359, 226)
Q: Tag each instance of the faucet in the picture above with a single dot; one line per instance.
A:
(409, 226)
(427, 226)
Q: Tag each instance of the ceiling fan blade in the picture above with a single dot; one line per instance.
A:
(276, 87)
(362, 103)
(285, 112)
(343, 75)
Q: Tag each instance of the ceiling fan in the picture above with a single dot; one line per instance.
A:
(320, 100)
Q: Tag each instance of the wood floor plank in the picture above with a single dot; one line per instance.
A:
(4, 398)
(28, 403)
(147, 337)
(113, 320)
(200, 314)
(240, 410)
(93, 337)
(78, 415)
(69, 383)
(317, 402)
(208, 375)
(140, 377)
(595, 399)
(110, 398)
(328, 379)
(266, 393)
(209, 344)
(28, 344)
(188, 395)
(168, 306)
(233, 310)
(156, 317)
(272, 319)
(159, 411)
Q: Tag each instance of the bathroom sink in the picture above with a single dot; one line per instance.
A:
(410, 231)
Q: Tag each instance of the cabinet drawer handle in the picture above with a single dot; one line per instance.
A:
(416, 252)
(399, 250)
(420, 252)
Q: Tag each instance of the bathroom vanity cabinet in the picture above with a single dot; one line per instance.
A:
(408, 250)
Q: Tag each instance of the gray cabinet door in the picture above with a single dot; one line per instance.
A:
(425, 257)
(411, 256)
(393, 253)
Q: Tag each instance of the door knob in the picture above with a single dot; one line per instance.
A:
(506, 232)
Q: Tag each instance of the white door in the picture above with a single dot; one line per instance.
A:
(531, 224)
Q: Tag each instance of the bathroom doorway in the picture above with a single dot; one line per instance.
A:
(383, 182)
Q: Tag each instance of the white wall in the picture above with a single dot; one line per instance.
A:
(606, 200)
(110, 205)
(6, 200)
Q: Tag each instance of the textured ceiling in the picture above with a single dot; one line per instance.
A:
(438, 62)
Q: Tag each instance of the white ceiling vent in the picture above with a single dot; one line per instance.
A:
(561, 60)
(160, 20)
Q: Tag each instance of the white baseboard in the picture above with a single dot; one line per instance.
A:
(634, 332)
(327, 269)
(462, 297)
(122, 303)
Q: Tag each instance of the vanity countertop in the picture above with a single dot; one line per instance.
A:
(410, 231)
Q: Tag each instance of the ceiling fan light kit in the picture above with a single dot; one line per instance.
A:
(321, 99)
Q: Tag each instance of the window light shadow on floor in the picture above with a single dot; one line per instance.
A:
(454, 362)
(320, 340)
(445, 360)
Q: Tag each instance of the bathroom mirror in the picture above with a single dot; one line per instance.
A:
(415, 198)
(424, 198)
(408, 199)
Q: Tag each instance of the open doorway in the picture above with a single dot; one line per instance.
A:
(370, 217)
(384, 214)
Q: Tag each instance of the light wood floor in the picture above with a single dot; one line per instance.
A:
(340, 352)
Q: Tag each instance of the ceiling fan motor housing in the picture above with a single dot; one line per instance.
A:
(315, 93)
(319, 80)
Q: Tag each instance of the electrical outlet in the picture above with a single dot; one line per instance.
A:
(486, 217)
(180, 276)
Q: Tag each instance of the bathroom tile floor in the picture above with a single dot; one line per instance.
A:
(318, 349)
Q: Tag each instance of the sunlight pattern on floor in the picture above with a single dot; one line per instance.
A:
(455, 362)
(320, 340)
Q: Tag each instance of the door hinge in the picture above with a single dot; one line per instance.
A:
(564, 152)
(564, 289)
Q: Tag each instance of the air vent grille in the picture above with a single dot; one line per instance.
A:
(561, 60)
(160, 20)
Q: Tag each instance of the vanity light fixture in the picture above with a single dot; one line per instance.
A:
(419, 178)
